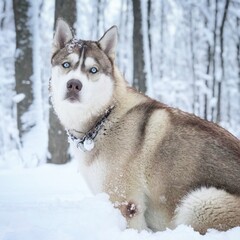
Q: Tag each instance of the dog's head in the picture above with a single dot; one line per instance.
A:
(81, 82)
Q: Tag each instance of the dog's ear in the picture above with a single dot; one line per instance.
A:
(62, 35)
(108, 41)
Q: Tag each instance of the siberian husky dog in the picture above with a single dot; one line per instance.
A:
(160, 166)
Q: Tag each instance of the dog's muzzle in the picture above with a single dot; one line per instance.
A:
(74, 86)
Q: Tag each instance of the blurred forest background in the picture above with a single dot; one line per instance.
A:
(185, 53)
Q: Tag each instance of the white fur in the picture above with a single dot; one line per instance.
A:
(94, 95)
(74, 57)
(89, 62)
(94, 174)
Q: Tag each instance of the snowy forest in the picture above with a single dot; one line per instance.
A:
(185, 53)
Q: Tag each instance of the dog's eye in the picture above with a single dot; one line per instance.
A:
(93, 70)
(66, 65)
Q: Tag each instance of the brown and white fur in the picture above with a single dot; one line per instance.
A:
(160, 166)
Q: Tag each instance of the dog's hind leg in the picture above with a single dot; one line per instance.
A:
(207, 208)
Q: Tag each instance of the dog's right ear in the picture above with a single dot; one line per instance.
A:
(62, 35)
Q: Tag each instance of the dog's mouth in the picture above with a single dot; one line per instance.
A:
(72, 97)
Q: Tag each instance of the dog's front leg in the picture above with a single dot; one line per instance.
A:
(134, 214)
(133, 209)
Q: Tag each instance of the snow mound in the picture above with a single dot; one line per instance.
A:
(53, 203)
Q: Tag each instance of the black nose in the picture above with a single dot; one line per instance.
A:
(74, 85)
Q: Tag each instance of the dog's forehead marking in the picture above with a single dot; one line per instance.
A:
(84, 54)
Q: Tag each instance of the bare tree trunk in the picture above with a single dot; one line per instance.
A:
(98, 25)
(67, 10)
(123, 37)
(209, 60)
(57, 139)
(98, 16)
(195, 98)
(149, 10)
(214, 59)
(162, 41)
(238, 53)
(238, 62)
(218, 119)
(23, 63)
(139, 75)
(3, 11)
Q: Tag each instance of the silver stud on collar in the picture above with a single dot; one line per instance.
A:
(88, 144)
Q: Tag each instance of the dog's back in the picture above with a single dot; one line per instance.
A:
(191, 168)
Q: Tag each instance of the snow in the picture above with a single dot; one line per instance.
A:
(53, 202)
(18, 98)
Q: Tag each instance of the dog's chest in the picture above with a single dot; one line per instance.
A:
(94, 171)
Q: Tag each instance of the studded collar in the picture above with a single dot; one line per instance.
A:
(86, 143)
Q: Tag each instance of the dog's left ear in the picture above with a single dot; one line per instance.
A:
(108, 41)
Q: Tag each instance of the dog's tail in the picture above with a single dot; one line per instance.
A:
(209, 208)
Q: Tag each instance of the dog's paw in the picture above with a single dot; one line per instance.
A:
(131, 210)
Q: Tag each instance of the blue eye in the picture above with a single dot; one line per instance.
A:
(66, 65)
(93, 70)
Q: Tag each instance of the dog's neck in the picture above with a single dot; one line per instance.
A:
(86, 141)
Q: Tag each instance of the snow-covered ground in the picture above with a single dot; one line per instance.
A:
(52, 202)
